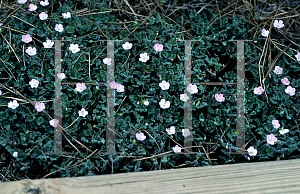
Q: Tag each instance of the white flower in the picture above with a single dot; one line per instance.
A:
(54, 122)
(252, 151)
(283, 131)
(171, 130)
(48, 44)
(44, 3)
(146, 103)
(177, 149)
(34, 83)
(59, 27)
(66, 15)
(107, 61)
(74, 48)
(164, 104)
(0, 92)
(144, 57)
(80, 87)
(192, 89)
(15, 154)
(127, 46)
(164, 85)
(291, 91)
(184, 97)
(278, 24)
(265, 33)
(185, 132)
(83, 112)
(22, 1)
(13, 104)
(31, 51)
(61, 76)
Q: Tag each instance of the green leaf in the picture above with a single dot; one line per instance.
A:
(158, 18)
(151, 20)
(39, 121)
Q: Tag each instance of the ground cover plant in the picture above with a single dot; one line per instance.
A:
(149, 85)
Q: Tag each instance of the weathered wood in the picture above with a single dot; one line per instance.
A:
(260, 177)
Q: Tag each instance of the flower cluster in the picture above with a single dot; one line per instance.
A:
(115, 85)
(43, 16)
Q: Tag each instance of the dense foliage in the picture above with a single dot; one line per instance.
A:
(28, 132)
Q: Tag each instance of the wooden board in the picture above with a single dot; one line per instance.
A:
(261, 177)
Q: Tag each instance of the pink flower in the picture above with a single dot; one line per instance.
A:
(171, 130)
(80, 87)
(140, 136)
(39, 106)
(120, 88)
(275, 123)
(61, 76)
(278, 70)
(177, 149)
(113, 84)
(32, 7)
(291, 91)
(271, 139)
(219, 97)
(158, 47)
(43, 16)
(258, 90)
(285, 81)
(298, 56)
(54, 122)
(59, 28)
(26, 38)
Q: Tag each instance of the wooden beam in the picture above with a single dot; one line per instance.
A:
(258, 177)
